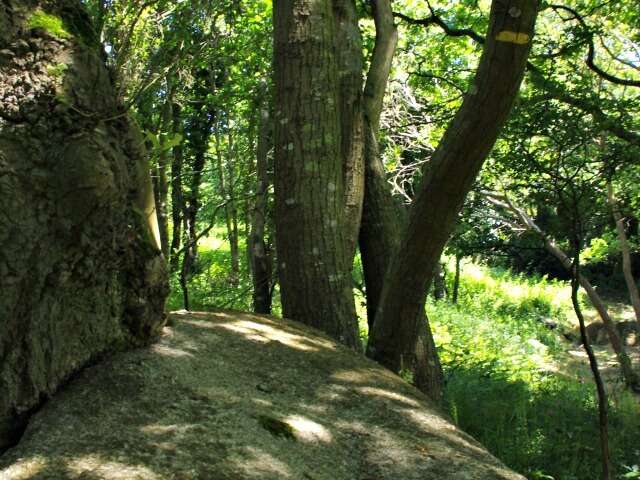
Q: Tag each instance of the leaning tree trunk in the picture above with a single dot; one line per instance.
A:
(80, 269)
(632, 286)
(316, 169)
(382, 222)
(452, 170)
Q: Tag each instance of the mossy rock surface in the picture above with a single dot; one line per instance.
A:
(231, 395)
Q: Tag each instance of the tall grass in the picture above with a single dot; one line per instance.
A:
(502, 384)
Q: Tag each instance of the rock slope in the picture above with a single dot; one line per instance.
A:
(231, 395)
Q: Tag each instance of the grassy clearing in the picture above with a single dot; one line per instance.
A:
(509, 386)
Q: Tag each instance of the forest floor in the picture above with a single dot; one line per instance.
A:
(231, 396)
(575, 363)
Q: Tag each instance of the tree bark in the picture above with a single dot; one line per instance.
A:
(456, 281)
(382, 222)
(453, 167)
(632, 286)
(177, 195)
(261, 266)
(80, 271)
(163, 166)
(314, 182)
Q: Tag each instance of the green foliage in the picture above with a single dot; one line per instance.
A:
(502, 387)
(50, 23)
(58, 70)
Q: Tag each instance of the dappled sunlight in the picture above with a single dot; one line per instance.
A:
(358, 376)
(98, 467)
(264, 333)
(158, 429)
(308, 430)
(25, 469)
(168, 351)
(389, 395)
(254, 463)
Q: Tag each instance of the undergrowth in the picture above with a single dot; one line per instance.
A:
(503, 384)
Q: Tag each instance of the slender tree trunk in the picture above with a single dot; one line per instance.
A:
(452, 170)
(232, 214)
(631, 379)
(632, 286)
(199, 139)
(162, 181)
(261, 266)
(603, 401)
(382, 222)
(177, 195)
(439, 282)
(456, 281)
(315, 185)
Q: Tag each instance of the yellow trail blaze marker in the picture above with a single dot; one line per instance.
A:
(519, 38)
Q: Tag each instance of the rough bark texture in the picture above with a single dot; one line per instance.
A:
(80, 271)
(261, 266)
(452, 170)
(314, 227)
(235, 396)
(382, 222)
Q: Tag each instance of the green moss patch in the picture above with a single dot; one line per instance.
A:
(50, 23)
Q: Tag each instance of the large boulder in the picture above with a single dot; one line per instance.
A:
(237, 396)
(80, 271)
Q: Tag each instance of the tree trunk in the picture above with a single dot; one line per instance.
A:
(456, 281)
(230, 213)
(163, 166)
(382, 222)
(632, 286)
(314, 182)
(439, 282)
(177, 195)
(261, 266)
(80, 272)
(603, 402)
(452, 170)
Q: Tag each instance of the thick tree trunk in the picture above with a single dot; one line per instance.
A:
(261, 266)
(382, 222)
(632, 286)
(314, 181)
(80, 272)
(453, 167)
(350, 64)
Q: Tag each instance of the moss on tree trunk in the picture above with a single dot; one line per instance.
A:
(80, 273)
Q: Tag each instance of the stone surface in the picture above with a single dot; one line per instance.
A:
(237, 396)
